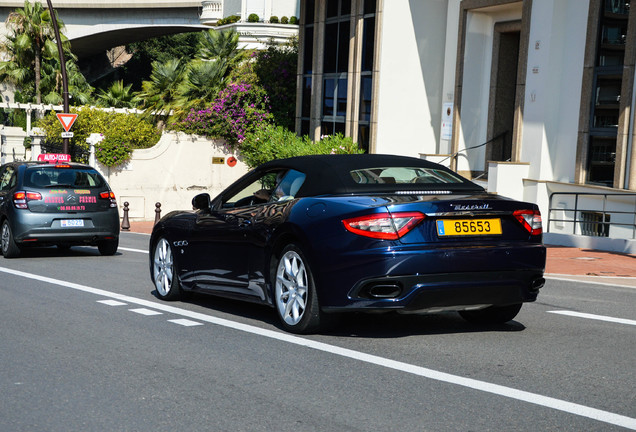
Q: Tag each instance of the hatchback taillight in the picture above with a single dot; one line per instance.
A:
(385, 226)
(21, 199)
(109, 195)
(531, 220)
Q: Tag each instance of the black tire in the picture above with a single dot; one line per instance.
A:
(164, 271)
(108, 247)
(8, 245)
(295, 298)
(492, 314)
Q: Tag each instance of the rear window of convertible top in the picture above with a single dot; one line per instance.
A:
(52, 177)
(404, 175)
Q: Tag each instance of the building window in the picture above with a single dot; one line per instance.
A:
(336, 66)
(307, 69)
(366, 74)
(606, 97)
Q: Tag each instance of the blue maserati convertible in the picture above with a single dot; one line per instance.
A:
(316, 235)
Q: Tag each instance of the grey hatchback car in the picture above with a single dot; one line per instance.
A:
(63, 204)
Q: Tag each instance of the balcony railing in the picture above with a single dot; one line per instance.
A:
(211, 12)
(594, 214)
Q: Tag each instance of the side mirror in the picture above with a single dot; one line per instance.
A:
(201, 202)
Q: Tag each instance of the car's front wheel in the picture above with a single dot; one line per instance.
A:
(492, 314)
(295, 295)
(8, 245)
(164, 271)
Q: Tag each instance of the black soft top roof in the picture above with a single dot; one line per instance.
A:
(330, 174)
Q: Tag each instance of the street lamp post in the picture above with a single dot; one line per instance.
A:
(60, 50)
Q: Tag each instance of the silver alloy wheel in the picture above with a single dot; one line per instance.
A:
(162, 269)
(291, 288)
(6, 234)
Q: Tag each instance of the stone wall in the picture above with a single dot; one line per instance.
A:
(172, 172)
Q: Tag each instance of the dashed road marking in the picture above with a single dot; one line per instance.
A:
(146, 312)
(112, 303)
(185, 322)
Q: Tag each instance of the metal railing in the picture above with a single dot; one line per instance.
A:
(594, 220)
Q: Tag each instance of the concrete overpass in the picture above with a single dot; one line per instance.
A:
(95, 26)
(98, 25)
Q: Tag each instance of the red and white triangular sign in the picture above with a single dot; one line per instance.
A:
(67, 120)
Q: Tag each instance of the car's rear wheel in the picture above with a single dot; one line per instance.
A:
(9, 247)
(108, 247)
(492, 314)
(295, 295)
(163, 271)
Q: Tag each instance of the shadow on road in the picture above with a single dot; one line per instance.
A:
(358, 325)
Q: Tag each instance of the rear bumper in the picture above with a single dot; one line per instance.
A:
(41, 228)
(417, 279)
(454, 291)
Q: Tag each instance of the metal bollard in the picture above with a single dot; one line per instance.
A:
(157, 212)
(125, 223)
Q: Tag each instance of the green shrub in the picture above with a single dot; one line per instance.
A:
(253, 18)
(275, 142)
(131, 128)
(113, 151)
(228, 20)
(293, 20)
(284, 20)
(273, 19)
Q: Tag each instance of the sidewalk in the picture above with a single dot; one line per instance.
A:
(592, 264)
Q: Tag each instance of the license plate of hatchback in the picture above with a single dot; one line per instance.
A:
(468, 227)
(70, 223)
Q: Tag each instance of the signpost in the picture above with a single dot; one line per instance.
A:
(66, 120)
(60, 50)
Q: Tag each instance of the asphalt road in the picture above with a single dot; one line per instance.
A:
(85, 346)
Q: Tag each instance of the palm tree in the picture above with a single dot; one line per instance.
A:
(30, 28)
(118, 96)
(159, 93)
(221, 45)
(200, 85)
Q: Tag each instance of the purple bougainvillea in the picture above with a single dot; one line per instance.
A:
(240, 108)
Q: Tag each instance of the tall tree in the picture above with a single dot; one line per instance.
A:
(221, 45)
(200, 85)
(32, 61)
(31, 28)
(159, 92)
(118, 96)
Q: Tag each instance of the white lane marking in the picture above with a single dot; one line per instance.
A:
(133, 250)
(185, 322)
(595, 317)
(533, 398)
(146, 312)
(111, 302)
(579, 279)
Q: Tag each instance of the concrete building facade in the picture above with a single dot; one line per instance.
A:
(533, 98)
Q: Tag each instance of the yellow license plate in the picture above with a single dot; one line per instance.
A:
(468, 227)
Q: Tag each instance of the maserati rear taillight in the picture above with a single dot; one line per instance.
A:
(385, 226)
(530, 219)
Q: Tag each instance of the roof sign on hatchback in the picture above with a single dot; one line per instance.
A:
(54, 157)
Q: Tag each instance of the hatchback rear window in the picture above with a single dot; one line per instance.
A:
(404, 175)
(52, 177)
